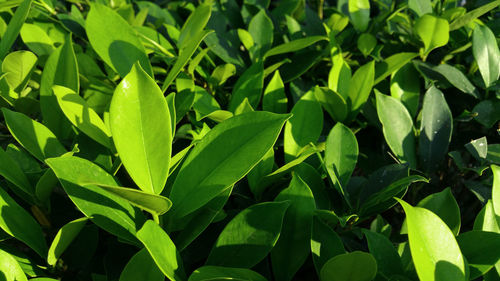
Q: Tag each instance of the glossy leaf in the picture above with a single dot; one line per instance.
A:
(360, 88)
(155, 204)
(11, 171)
(82, 116)
(340, 76)
(249, 236)
(359, 13)
(18, 223)
(141, 267)
(445, 206)
(325, 243)
(293, 246)
(434, 250)
(314, 180)
(17, 67)
(10, 269)
(354, 266)
(341, 156)
(225, 155)
(406, 88)
(486, 53)
(141, 127)
(12, 30)
(115, 40)
(495, 193)
(162, 250)
(478, 248)
(262, 40)
(391, 64)
(435, 129)
(332, 102)
(478, 148)
(63, 239)
(304, 126)
(60, 69)
(382, 249)
(433, 31)
(420, 7)
(470, 16)
(33, 136)
(274, 99)
(366, 43)
(294, 45)
(397, 127)
(105, 209)
(225, 273)
(249, 86)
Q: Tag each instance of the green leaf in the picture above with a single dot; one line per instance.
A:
(10, 268)
(435, 129)
(457, 79)
(63, 239)
(249, 85)
(33, 136)
(162, 250)
(105, 209)
(262, 169)
(304, 126)
(478, 248)
(15, 24)
(433, 31)
(141, 267)
(486, 53)
(487, 113)
(224, 156)
(275, 99)
(420, 7)
(199, 220)
(470, 16)
(155, 204)
(486, 219)
(406, 88)
(325, 243)
(249, 236)
(391, 64)
(366, 43)
(359, 13)
(354, 266)
(18, 67)
(60, 69)
(478, 148)
(397, 126)
(360, 88)
(294, 45)
(141, 127)
(114, 40)
(332, 102)
(194, 25)
(382, 249)
(37, 39)
(340, 76)
(192, 34)
(221, 73)
(82, 116)
(20, 224)
(293, 246)
(434, 250)
(10, 170)
(341, 155)
(314, 180)
(495, 193)
(262, 40)
(445, 206)
(225, 273)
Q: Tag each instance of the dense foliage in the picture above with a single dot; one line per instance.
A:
(344, 140)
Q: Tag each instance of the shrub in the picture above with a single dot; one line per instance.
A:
(249, 140)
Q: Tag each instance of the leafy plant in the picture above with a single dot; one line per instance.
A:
(344, 140)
